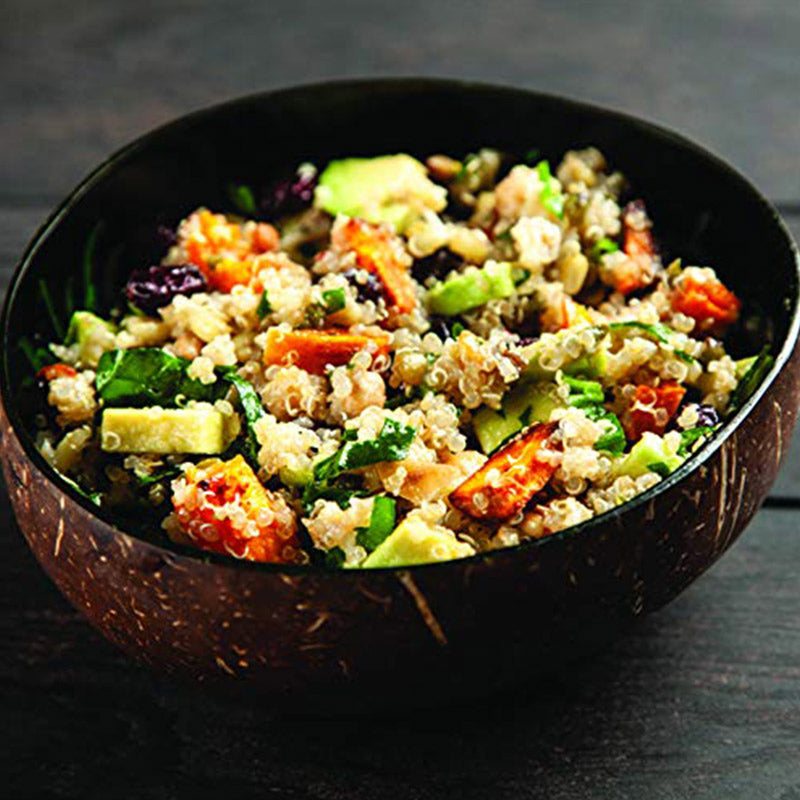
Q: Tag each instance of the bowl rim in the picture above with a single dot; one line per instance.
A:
(174, 551)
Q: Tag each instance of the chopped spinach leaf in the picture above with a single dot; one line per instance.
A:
(613, 440)
(58, 327)
(603, 246)
(243, 199)
(657, 330)
(37, 356)
(660, 468)
(253, 411)
(89, 291)
(334, 558)
(750, 380)
(551, 196)
(149, 376)
(583, 393)
(688, 438)
(264, 306)
(391, 444)
(381, 523)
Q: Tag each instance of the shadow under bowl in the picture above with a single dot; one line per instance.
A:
(310, 639)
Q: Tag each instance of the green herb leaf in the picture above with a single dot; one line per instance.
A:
(684, 356)
(37, 356)
(750, 380)
(243, 199)
(149, 376)
(519, 275)
(391, 444)
(264, 306)
(551, 196)
(89, 291)
(457, 329)
(603, 246)
(253, 411)
(143, 481)
(613, 440)
(688, 438)
(381, 523)
(58, 327)
(532, 156)
(583, 393)
(657, 330)
(94, 497)
(334, 558)
(660, 468)
(334, 299)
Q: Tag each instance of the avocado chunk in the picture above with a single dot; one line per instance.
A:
(471, 289)
(200, 429)
(593, 365)
(525, 404)
(393, 189)
(415, 541)
(649, 454)
(93, 336)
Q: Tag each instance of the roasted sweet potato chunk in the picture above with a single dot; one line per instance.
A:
(706, 300)
(509, 479)
(638, 244)
(315, 350)
(652, 409)
(377, 252)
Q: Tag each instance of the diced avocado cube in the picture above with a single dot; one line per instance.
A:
(525, 404)
(393, 188)
(93, 335)
(500, 275)
(415, 541)
(593, 365)
(471, 289)
(650, 450)
(296, 476)
(200, 429)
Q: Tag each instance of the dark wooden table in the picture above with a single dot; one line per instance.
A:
(700, 700)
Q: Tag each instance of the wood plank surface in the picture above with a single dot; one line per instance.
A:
(700, 700)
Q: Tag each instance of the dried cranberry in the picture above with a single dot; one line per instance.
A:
(707, 415)
(439, 264)
(367, 285)
(150, 289)
(290, 195)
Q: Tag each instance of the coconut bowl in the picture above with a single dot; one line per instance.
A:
(304, 638)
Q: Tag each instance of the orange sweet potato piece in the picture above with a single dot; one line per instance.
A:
(639, 245)
(221, 506)
(509, 479)
(53, 371)
(315, 350)
(646, 402)
(377, 253)
(709, 302)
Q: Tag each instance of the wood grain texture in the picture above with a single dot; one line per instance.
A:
(81, 79)
(700, 700)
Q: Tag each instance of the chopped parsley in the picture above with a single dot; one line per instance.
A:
(381, 523)
(551, 196)
(264, 306)
(391, 444)
(334, 300)
(243, 199)
(603, 246)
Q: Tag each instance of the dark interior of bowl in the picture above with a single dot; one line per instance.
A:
(702, 209)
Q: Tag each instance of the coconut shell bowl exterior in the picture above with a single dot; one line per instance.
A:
(308, 639)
